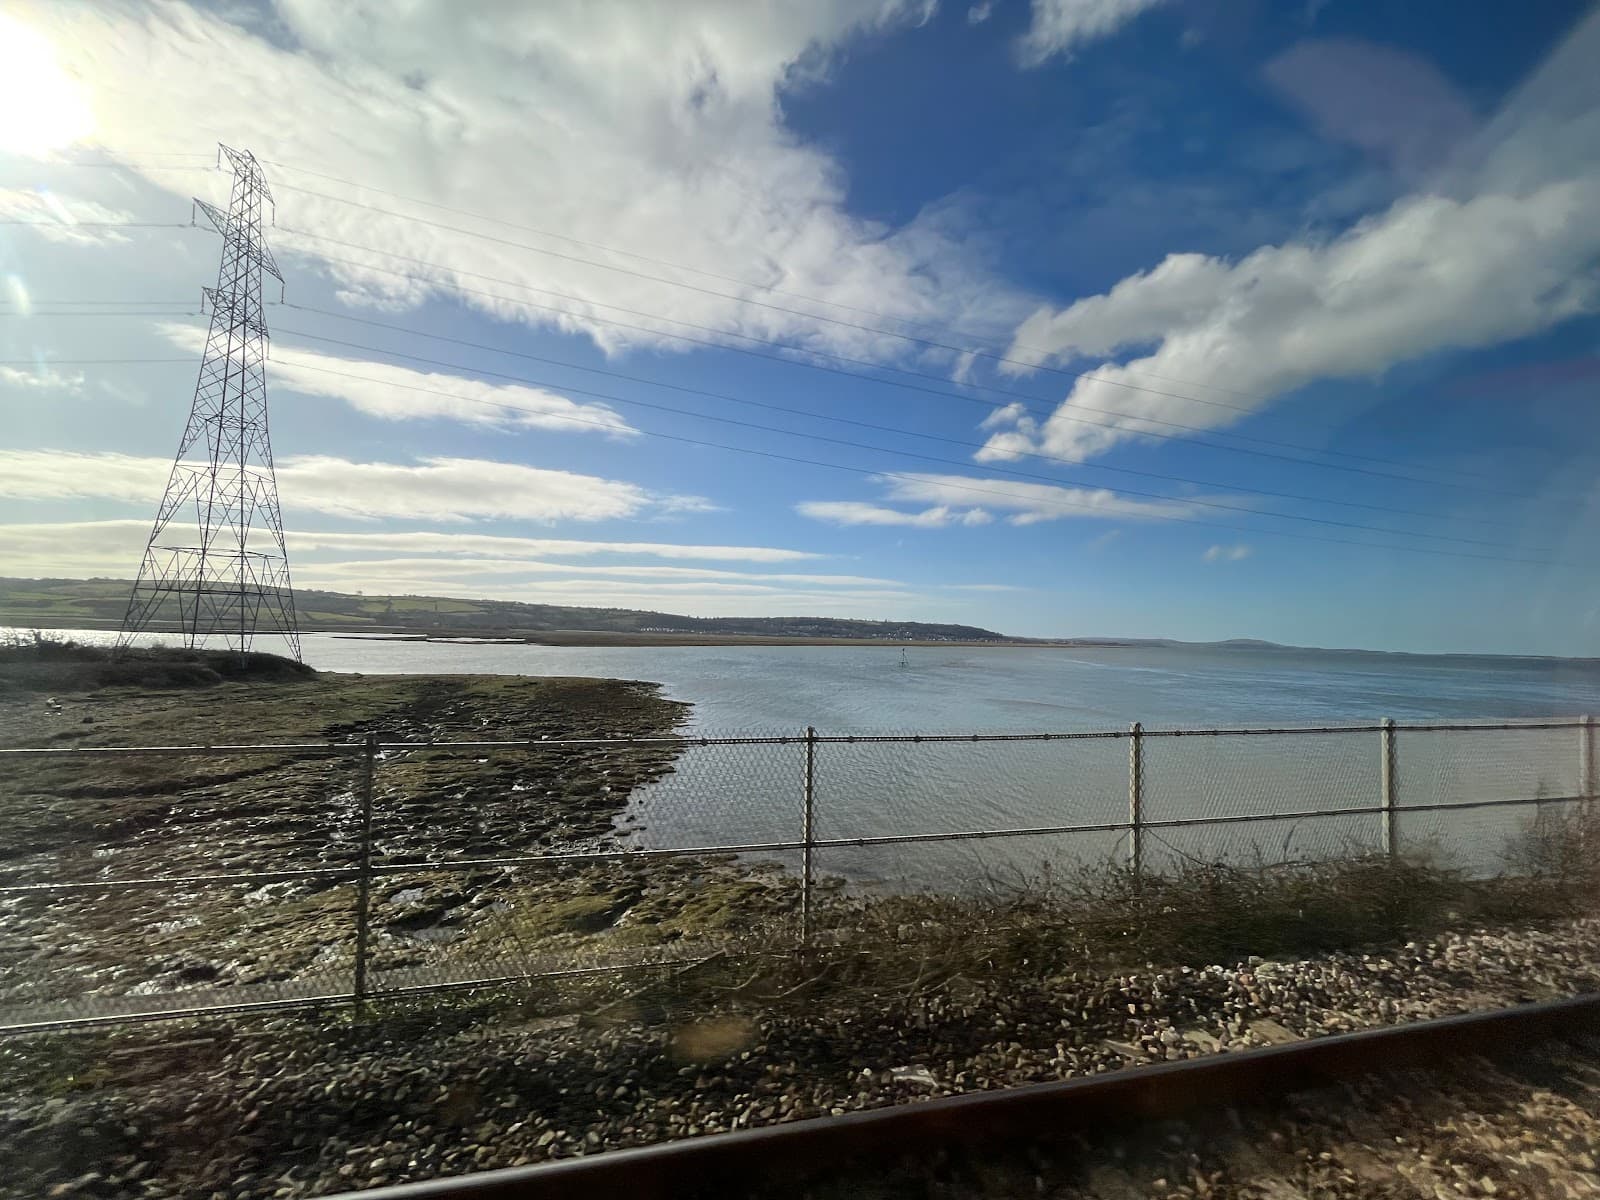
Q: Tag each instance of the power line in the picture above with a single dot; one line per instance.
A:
(806, 350)
(1060, 413)
(87, 362)
(665, 263)
(855, 445)
(742, 282)
(853, 374)
(877, 473)
(714, 395)
(776, 408)
(117, 312)
(880, 450)
(880, 473)
(940, 391)
(97, 224)
(739, 299)
(932, 344)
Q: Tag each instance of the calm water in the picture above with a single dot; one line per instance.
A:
(751, 794)
(862, 689)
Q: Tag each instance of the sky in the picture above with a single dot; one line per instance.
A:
(1142, 318)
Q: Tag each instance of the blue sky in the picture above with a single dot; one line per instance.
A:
(1061, 317)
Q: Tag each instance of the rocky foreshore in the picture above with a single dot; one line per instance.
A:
(254, 813)
(305, 1106)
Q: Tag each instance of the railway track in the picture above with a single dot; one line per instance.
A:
(1091, 1136)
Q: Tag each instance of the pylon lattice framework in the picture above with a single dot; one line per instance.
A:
(227, 573)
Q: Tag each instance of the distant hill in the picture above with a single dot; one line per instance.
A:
(99, 604)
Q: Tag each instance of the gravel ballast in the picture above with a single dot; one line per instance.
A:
(308, 1105)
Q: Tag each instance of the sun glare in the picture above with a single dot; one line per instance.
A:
(42, 108)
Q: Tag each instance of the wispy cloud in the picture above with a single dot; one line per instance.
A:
(43, 378)
(853, 512)
(953, 498)
(1060, 26)
(1029, 503)
(1233, 553)
(113, 547)
(482, 567)
(475, 565)
(430, 542)
(58, 218)
(396, 393)
(434, 489)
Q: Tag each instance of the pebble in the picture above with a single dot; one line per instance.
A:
(298, 1109)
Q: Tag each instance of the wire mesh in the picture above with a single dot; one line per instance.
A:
(741, 794)
(516, 861)
(923, 789)
(1264, 843)
(1501, 763)
(1208, 778)
(144, 883)
(1468, 766)
(969, 867)
(138, 883)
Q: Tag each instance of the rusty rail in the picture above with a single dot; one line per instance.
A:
(744, 1163)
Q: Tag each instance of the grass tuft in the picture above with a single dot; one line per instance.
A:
(36, 662)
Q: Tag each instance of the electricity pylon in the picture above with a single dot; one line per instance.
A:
(225, 573)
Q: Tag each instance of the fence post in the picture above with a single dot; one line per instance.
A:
(808, 835)
(364, 878)
(1136, 799)
(1586, 763)
(1389, 784)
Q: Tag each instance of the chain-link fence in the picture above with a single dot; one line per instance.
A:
(147, 881)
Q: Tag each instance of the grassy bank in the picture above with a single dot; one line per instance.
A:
(40, 663)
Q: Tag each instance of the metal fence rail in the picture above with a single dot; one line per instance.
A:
(1384, 786)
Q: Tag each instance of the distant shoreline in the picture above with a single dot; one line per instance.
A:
(602, 637)
(599, 638)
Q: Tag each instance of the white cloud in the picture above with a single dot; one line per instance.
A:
(430, 542)
(397, 393)
(851, 512)
(84, 548)
(1503, 245)
(709, 600)
(1029, 503)
(58, 218)
(112, 548)
(979, 13)
(469, 565)
(1059, 26)
(455, 489)
(43, 378)
(1227, 553)
(435, 489)
(656, 129)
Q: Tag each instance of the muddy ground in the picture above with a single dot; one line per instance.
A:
(180, 817)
